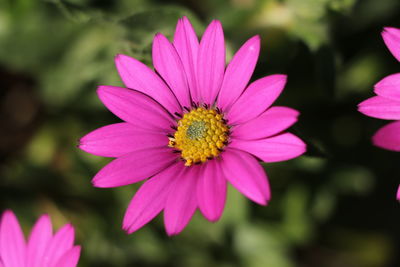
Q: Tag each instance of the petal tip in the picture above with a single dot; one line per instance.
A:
(283, 77)
(213, 218)
(171, 232)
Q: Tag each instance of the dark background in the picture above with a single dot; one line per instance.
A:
(333, 207)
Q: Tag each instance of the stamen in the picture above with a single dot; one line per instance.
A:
(201, 135)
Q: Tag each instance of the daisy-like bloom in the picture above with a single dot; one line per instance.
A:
(386, 104)
(43, 249)
(191, 127)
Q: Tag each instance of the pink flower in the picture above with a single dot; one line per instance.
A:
(386, 104)
(42, 249)
(191, 127)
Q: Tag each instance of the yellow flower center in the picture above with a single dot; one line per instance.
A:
(201, 135)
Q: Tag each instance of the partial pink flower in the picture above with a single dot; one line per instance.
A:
(386, 104)
(42, 247)
(191, 127)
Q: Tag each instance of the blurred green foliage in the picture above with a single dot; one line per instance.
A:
(333, 207)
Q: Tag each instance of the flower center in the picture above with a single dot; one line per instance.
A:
(201, 135)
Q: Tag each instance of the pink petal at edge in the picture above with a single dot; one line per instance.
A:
(136, 108)
(182, 202)
(70, 258)
(238, 73)
(39, 239)
(12, 241)
(398, 193)
(150, 199)
(211, 62)
(138, 76)
(245, 173)
(118, 139)
(187, 46)
(134, 167)
(389, 87)
(168, 64)
(256, 99)
(62, 241)
(391, 37)
(388, 137)
(278, 148)
(211, 191)
(381, 108)
(273, 121)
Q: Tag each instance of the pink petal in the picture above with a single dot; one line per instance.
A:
(278, 148)
(138, 76)
(70, 258)
(187, 46)
(150, 199)
(181, 203)
(118, 139)
(388, 136)
(39, 239)
(381, 108)
(389, 87)
(134, 167)
(391, 36)
(211, 62)
(136, 108)
(271, 122)
(256, 98)
(12, 241)
(245, 173)
(238, 73)
(168, 64)
(398, 193)
(62, 241)
(211, 191)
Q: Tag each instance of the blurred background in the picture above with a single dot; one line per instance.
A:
(333, 207)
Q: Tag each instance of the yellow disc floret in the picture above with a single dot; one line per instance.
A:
(201, 135)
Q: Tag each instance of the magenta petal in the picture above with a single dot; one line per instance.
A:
(211, 62)
(211, 191)
(388, 136)
(150, 199)
(381, 108)
(62, 241)
(389, 87)
(278, 148)
(245, 173)
(271, 122)
(118, 139)
(168, 64)
(182, 202)
(134, 167)
(398, 193)
(238, 73)
(70, 258)
(256, 98)
(187, 46)
(391, 36)
(12, 242)
(39, 239)
(136, 108)
(138, 76)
